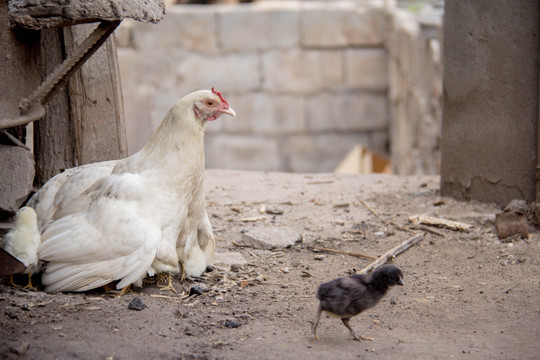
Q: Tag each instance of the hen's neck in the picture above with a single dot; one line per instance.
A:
(177, 145)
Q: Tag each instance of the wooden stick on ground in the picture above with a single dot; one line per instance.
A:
(367, 206)
(342, 252)
(393, 253)
(431, 221)
(427, 229)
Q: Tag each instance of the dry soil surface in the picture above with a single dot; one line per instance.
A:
(467, 295)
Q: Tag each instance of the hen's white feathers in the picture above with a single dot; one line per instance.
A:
(121, 219)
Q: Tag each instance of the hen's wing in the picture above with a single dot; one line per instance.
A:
(109, 234)
(62, 188)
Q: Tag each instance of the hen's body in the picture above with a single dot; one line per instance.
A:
(123, 219)
(348, 296)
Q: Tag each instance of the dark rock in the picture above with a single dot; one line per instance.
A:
(232, 323)
(197, 290)
(511, 224)
(136, 304)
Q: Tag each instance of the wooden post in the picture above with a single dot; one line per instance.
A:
(85, 120)
(96, 104)
(53, 145)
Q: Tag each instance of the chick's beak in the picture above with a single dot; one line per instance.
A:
(401, 282)
(228, 111)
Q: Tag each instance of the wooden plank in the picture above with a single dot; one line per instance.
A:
(45, 14)
(96, 105)
(10, 265)
(53, 146)
(85, 120)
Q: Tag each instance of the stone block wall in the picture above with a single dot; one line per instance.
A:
(414, 46)
(308, 79)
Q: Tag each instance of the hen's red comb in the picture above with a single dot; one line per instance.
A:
(220, 96)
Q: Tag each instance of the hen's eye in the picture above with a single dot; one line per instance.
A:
(210, 102)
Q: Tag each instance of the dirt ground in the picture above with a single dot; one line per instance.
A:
(467, 295)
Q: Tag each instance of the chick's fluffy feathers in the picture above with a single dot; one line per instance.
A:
(348, 296)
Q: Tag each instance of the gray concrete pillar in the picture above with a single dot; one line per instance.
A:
(490, 101)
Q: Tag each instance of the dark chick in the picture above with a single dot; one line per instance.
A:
(348, 296)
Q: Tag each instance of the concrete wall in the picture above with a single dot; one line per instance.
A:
(413, 42)
(490, 121)
(308, 80)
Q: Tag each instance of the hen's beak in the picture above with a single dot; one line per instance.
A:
(401, 282)
(229, 111)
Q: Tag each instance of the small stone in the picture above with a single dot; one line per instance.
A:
(232, 323)
(511, 225)
(266, 238)
(274, 210)
(320, 257)
(236, 267)
(136, 304)
(235, 260)
(197, 290)
(21, 349)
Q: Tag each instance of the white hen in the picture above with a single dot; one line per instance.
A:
(123, 219)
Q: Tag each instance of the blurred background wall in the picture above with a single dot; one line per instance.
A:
(309, 80)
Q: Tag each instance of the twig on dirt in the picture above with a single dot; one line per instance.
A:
(392, 253)
(320, 182)
(399, 227)
(428, 220)
(427, 229)
(171, 298)
(253, 219)
(220, 238)
(320, 248)
(367, 206)
(385, 222)
(237, 244)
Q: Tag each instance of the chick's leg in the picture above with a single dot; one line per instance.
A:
(29, 286)
(316, 323)
(353, 334)
(13, 283)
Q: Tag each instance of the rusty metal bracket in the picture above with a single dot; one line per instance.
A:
(31, 108)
